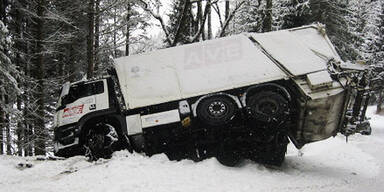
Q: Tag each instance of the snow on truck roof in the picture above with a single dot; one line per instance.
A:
(221, 64)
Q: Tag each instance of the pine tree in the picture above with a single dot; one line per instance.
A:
(372, 45)
(249, 18)
(253, 17)
(8, 86)
(41, 32)
(290, 13)
(332, 14)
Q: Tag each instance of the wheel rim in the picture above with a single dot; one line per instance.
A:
(217, 109)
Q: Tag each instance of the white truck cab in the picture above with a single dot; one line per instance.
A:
(76, 101)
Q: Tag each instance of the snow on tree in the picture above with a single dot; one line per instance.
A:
(8, 83)
(372, 45)
(291, 13)
(253, 16)
(8, 87)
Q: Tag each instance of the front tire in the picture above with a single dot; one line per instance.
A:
(99, 141)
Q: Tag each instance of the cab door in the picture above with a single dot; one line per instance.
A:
(81, 100)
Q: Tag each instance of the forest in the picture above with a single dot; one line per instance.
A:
(45, 43)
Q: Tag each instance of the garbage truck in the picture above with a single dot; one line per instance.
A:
(240, 97)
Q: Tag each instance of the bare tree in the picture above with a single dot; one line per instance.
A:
(228, 17)
(153, 8)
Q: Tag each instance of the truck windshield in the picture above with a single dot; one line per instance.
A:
(80, 90)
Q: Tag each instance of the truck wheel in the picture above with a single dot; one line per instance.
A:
(277, 156)
(268, 106)
(99, 141)
(216, 110)
(227, 154)
(273, 153)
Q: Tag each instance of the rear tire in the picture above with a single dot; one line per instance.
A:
(99, 141)
(268, 107)
(227, 153)
(273, 153)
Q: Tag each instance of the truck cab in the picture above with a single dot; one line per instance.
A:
(78, 103)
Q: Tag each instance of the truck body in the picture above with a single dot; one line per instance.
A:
(243, 96)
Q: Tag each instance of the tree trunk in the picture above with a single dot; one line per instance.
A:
(379, 106)
(72, 66)
(200, 19)
(2, 123)
(3, 13)
(90, 39)
(226, 9)
(267, 22)
(28, 140)
(40, 122)
(181, 21)
(127, 34)
(2, 112)
(114, 33)
(97, 35)
(27, 49)
(226, 18)
(209, 24)
(19, 101)
(8, 129)
(20, 130)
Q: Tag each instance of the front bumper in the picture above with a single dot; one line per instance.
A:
(69, 150)
(67, 140)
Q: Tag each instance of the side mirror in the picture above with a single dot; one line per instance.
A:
(64, 101)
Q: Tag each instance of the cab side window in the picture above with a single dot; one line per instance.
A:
(84, 90)
(99, 87)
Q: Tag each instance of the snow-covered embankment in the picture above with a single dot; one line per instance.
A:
(330, 165)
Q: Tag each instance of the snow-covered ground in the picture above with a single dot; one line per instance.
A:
(330, 165)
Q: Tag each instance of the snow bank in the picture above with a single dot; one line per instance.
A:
(330, 165)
